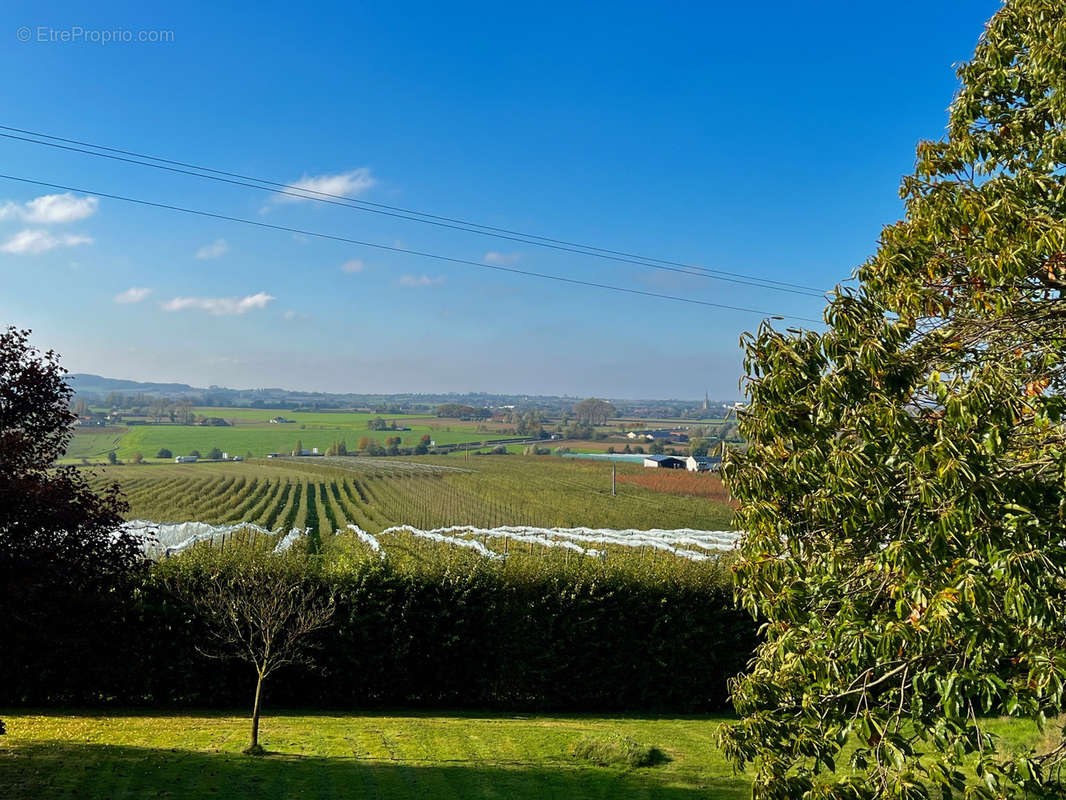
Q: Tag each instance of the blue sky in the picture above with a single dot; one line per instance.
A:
(766, 139)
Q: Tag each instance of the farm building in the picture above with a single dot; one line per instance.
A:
(703, 463)
(664, 462)
(658, 435)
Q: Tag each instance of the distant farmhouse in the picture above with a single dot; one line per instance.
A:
(664, 462)
(703, 463)
(659, 435)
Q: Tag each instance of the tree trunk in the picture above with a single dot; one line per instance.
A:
(255, 711)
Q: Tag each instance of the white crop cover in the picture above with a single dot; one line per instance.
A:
(163, 539)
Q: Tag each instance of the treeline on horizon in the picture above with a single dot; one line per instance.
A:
(96, 390)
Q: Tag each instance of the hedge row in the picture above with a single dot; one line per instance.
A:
(459, 633)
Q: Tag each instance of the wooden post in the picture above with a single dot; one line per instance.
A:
(614, 479)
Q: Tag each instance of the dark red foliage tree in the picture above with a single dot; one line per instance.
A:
(59, 550)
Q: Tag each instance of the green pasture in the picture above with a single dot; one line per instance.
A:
(95, 443)
(389, 757)
(240, 440)
(252, 432)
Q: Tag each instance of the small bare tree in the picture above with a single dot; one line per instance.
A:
(260, 610)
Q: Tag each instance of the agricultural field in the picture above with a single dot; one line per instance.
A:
(326, 494)
(95, 443)
(60, 755)
(679, 482)
(250, 433)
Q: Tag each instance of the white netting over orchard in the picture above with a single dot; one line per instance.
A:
(166, 538)
(161, 539)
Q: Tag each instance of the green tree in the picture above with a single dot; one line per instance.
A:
(216, 453)
(164, 453)
(63, 558)
(905, 477)
(299, 447)
(594, 411)
(111, 457)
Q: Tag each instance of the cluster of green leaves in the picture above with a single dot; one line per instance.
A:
(904, 489)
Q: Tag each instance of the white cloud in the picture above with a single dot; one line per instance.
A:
(293, 315)
(37, 241)
(220, 306)
(60, 208)
(216, 249)
(505, 259)
(355, 265)
(50, 208)
(421, 280)
(134, 294)
(344, 184)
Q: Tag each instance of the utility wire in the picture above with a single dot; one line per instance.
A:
(274, 187)
(406, 251)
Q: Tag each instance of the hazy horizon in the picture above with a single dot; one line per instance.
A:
(487, 392)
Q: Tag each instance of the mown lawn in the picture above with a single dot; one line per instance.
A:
(384, 757)
(150, 755)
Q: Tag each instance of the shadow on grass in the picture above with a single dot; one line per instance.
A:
(47, 770)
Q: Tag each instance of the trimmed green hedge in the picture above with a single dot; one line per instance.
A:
(455, 632)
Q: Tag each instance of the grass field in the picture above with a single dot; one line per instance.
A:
(250, 431)
(326, 756)
(487, 491)
(95, 443)
(388, 757)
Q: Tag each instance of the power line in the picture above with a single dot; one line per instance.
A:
(348, 202)
(406, 251)
(275, 187)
